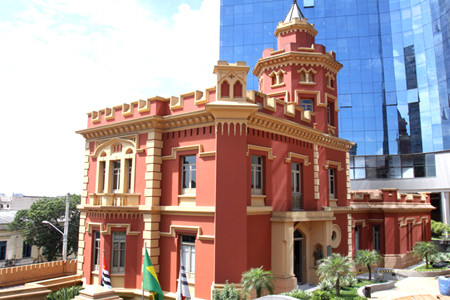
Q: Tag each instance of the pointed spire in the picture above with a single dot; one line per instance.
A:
(294, 12)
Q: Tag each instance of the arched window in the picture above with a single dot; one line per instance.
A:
(237, 89)
(225, 89)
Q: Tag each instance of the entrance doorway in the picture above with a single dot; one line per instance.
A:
(299, 257)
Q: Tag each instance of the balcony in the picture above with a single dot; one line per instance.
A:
(297, 201)
(114, 199)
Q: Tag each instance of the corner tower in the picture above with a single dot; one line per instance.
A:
(302, 72)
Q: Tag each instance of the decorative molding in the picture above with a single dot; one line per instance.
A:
(198, 229)
(335, 101)
(363, 222)
(261, 148)
(94, 224)
(197, 147)
(110, 226)
(298, 156)
(194, 119)
(288, 128)
(333, 163)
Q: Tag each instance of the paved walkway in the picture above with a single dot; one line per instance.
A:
(410, 287)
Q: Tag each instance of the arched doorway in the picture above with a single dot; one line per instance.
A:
(299, 257)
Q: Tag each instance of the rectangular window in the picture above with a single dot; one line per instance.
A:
(116, 176)
(357, 238)
(410, 67)
(257, 175)
(2, 250)
(102, 176)
(296, 177)
(306, 104)
(189, 178)
(188, 255)
(118, 252)
(96, 253)
(129, 164)
(26, 250)
(332, 183)
(376, 238)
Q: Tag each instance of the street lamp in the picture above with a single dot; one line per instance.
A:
(66, 228)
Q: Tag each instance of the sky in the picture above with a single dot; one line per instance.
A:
(60, 59)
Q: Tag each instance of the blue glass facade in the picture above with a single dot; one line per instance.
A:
(394, 89)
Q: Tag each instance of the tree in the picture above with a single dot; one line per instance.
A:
(425, 250)
(367, 258)
(334, 266)
(258, 279)
(29, 221)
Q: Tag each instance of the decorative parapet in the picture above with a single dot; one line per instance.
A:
(388, 195)
(35, 272)
(141, 108)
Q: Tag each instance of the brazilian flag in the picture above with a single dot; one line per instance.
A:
(150, 281)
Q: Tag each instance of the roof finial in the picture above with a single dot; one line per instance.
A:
(294, 12)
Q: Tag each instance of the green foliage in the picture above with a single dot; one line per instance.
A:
(438, 228)
(67, 293)
(441, 256)
(229, 292)
(258, 279)
(29, 221)
(367, 258)
(321, 295)
(424, 250)
(299, 294)
(335, 266)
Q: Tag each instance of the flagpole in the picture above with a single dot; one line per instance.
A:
(103, 259)
(145, 248)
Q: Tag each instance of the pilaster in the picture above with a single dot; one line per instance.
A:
(84, 192)
(316, 171)
(81, 244)
(153, 173)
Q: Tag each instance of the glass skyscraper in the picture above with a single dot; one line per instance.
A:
(394, 88)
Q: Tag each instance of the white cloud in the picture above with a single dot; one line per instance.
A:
(61, 59)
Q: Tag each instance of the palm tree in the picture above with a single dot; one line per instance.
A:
(424, 250)
(367, 258)
(335, 266)
(258, 279)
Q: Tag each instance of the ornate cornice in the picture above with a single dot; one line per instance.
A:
(288, 128)
(166, 123)
(324, 60)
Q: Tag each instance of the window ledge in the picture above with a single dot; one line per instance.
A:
(333, 202)
(277, 85)
(331, 88)
(186, 200)
(307, 83)
(258, 200)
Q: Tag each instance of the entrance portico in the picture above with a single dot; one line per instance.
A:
(297, 240)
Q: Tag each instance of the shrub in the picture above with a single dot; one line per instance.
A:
(65, 293)
(321, 295)
(299, 294)
(229, 292)
(438, 228)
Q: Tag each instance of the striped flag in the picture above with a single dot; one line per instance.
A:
(183, 288)
(106, 281)
(150, 281)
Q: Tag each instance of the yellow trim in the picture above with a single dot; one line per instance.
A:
(197, 147)
(261, 148)
(198, 229)
(298, 156)
(333, 163)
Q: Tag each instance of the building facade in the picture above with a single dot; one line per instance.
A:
(394, 87)
(227, 179)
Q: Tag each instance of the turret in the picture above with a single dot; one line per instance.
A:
(302, 72)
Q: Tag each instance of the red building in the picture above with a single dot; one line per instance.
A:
(228, 179)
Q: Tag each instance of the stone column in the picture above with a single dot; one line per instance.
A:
(445, 214)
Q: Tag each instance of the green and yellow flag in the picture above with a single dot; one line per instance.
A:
(150, 281)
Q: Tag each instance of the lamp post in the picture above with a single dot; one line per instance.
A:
(66, 228)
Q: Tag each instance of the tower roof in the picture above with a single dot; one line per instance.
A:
(294, 12)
